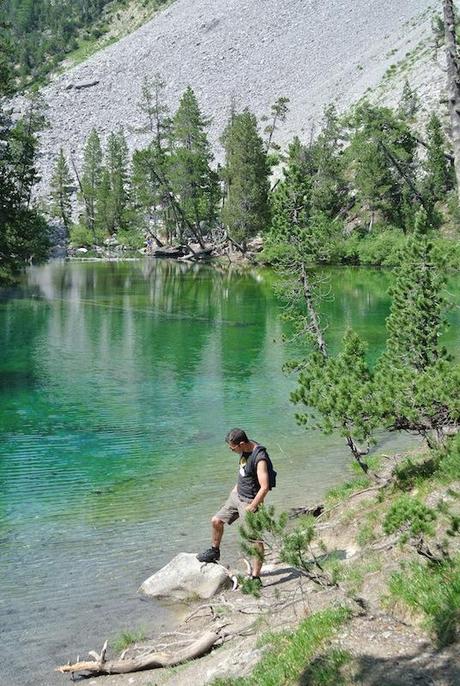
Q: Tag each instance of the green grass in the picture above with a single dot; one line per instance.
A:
(328, 669)
(448, 468)
(421, 472)
(352, 575)
(366, 533)
(292, 655)
(433, 592)
(339, 493)
(127, 638)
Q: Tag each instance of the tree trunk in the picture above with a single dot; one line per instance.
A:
(453, 83)
(315, 325)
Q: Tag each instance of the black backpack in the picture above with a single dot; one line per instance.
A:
(251, 466)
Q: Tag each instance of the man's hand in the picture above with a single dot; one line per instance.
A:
(250, 507)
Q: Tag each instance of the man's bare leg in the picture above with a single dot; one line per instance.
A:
(256, 562)
(217, 531)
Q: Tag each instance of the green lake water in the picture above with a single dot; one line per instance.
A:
(118, 383)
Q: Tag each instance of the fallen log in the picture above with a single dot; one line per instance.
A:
(197, 256)
(100, 665)
(169, 251)
(313, 510)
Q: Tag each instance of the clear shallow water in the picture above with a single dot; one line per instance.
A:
(118, 383)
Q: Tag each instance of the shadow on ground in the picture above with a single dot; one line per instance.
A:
(337, 667)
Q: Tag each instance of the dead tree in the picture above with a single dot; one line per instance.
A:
(453, 83)
(148, 660)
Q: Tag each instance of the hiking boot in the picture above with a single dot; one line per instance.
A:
(209, 555)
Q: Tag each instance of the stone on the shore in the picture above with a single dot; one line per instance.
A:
(184, 577)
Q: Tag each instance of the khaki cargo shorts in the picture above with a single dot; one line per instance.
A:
(233, 508)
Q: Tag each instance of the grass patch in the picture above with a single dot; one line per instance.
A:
(433, 592)
(448, 468)
(366, 533)
(127, 638)
(328, 669)
(339, 493)
(291, 654)
(352, 575)
(442, 466)
(412, 472)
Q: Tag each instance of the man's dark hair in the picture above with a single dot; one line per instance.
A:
(236, 436)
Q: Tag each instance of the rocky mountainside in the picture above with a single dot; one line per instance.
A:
(254, 51)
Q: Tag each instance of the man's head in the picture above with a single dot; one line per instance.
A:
(237, 441)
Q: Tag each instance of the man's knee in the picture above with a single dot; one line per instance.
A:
(217, 523)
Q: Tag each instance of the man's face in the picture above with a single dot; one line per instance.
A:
(236, 448)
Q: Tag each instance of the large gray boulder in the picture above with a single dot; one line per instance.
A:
(184, 576)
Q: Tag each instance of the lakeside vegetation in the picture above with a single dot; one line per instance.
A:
(361, 180)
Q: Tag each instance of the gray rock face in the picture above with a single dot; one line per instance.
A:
(313, 52)
(185, 576)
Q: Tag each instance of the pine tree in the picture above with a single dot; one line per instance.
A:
(153, 106)
(439, 172)
(91, 177)
(291, 200)
(104, 223)
(329, 187)
(297, 234)
(61, 190)
(278, 113)
(417, 384)
(116, 163)
(193, 182)
(150, 193)
(23, 231)
(382, 155)
(338, 394)
(416, 315)
(409, 102)
(246, 211)
(24, 145)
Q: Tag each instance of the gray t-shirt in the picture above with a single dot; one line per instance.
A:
(248, 484)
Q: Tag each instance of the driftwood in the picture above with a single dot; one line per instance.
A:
(100, 665)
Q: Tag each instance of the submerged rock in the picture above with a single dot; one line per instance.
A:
(184, 576)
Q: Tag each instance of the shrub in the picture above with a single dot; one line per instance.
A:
(80, 236)
(131, 238)
(411, 515)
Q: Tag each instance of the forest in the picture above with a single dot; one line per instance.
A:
(41, 33)
(361, 180)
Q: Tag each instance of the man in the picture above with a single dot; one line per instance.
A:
(255, 478)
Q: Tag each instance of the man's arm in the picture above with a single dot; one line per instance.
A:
(264, 483)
